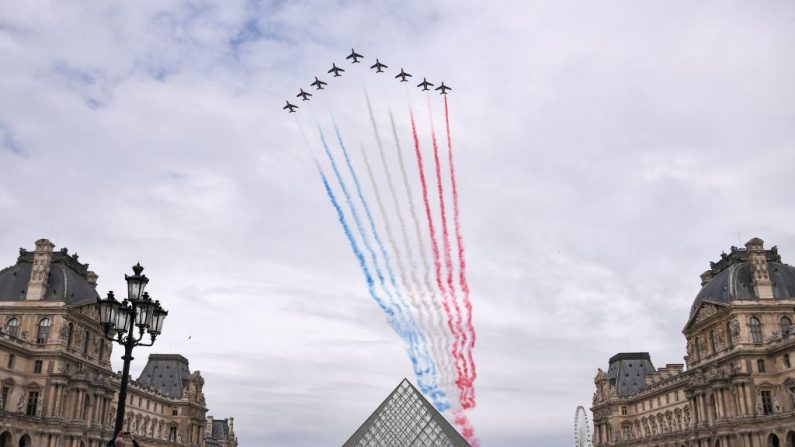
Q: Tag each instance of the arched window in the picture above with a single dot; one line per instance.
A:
(86, 340)
(756, 330)
(44, 331)
(12, 327)
(786, 326)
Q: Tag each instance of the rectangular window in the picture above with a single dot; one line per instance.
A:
(767, 403)
(623, 411)
(760, 365)
(174, 412)
(10, 361)
(37, 367)
(33, 401)
(4, 397)
(667, 398)
(786, 361)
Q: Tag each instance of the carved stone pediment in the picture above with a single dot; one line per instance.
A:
(705, 311)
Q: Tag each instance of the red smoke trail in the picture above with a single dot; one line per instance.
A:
(464, 384)
(461, 260)
(460, 373)
(467, 431)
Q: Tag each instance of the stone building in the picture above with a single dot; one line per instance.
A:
(57, 388)
(739, 386)
(220, 433)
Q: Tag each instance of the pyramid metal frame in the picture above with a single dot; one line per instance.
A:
(406, 419)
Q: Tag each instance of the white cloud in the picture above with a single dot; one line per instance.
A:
(604, 153)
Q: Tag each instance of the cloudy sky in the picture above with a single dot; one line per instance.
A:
(605, 153)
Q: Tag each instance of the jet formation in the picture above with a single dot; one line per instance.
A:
(378, 67)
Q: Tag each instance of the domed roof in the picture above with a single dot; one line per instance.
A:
(68, 281)
(731, 278)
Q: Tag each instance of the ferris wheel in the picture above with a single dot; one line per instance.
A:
(582, 431)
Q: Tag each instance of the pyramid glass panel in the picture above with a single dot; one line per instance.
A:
(406, 419)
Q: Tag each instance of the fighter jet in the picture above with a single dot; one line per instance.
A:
(336, 70)
(355, 56)
(403, 75)
(318, 83)
(290, 107)
(443, 88)
(424, 84)
(305, 96)
(378, 66)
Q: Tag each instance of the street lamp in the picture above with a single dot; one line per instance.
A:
(119, 320)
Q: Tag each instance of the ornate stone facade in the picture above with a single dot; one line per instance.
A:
(739, 386)
(57, 388)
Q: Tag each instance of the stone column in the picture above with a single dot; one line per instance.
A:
(52, 398)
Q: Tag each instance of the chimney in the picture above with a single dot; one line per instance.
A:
(763, 287)
(42, 257)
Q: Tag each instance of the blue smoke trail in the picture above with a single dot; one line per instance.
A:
(349, 235)
(411, 332)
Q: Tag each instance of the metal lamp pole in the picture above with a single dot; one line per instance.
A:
(137, 310)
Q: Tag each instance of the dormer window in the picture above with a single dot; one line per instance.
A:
(44, 331)
(756, 330)
(786, 326)
(12, 327)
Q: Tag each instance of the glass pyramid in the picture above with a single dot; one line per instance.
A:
(406, 419)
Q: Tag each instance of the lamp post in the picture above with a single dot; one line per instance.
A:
(120, 319)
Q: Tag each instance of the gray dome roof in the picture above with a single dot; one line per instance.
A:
(166, 373)
(67, 280)
(733, 280)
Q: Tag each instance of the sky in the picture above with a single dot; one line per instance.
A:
(605, 153)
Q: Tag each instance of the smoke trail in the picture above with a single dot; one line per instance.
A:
(461, 335)
(467, 431)
(412, 208)
(398, 302)
(424, 307)
(435, 250)
(351, 240)
(460, 245)
(421, 360)
(380, 202)
(440, 337)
